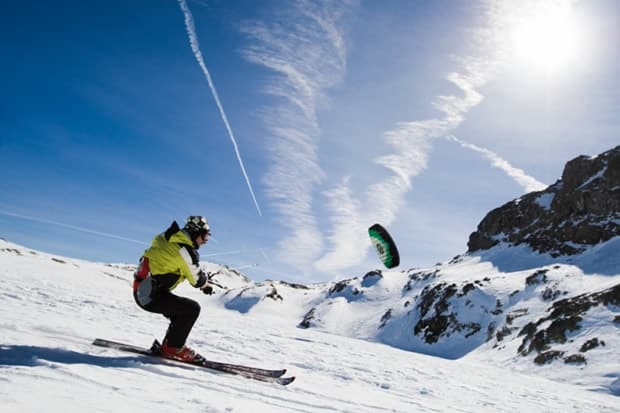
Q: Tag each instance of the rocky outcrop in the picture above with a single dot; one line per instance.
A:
(565, 317)
(579, 210)
(443, 307)
(308, 318)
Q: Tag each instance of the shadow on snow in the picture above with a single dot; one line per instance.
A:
(39, 356)
(603, 259)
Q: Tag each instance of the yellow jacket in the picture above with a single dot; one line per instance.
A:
(175, 255)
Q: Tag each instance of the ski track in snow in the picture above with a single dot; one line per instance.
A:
(51, 311)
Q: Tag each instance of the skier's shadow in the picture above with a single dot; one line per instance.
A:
(32, 356)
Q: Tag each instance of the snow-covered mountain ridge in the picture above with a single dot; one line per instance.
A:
(533, 299)
(554, 320)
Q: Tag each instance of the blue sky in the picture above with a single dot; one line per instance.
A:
(293, 125)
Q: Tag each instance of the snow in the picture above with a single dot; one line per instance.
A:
(593, 178)
(51, 308)
(545, 200)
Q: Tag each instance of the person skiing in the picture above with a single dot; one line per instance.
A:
(172, 258)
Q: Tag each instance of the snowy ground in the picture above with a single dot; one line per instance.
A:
(51, 308)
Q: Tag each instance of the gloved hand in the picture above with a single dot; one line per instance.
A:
(210, 275)
(207, 289)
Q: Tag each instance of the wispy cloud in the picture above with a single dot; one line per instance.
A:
(350, 217)
(265, 256)
(193, 39)
(305, 49)
(307, 52)
(411, 143)
(349, 224)
(528, 183)
(71, 227)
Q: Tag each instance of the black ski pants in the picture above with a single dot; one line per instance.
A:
(182, 313)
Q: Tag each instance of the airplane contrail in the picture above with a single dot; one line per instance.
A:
(216, 254)
(193, 39)
(265, 255)
(72, 227)
(527, 182)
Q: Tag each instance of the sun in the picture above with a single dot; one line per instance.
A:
(547, 38)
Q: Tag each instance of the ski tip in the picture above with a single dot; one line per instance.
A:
(286, 380)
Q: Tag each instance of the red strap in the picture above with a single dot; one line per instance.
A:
(141, 273)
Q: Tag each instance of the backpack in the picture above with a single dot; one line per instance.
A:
(141, 273)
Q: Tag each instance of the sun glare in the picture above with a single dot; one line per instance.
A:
(548, 38)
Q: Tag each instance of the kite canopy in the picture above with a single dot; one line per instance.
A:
(384, 245)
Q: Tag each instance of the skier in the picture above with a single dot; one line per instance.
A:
(173, 257)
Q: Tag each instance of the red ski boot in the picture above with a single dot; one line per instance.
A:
(184, 353)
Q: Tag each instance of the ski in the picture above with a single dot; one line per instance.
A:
(265, 375)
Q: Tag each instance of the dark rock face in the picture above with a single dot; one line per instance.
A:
(437, 317)
(590, 344)
(565, 316)
(385, 318)
(548, 356)
(371, 278)
(274, 295)
(294, 285)
(308, 318)
(580, 210)
(344, 289)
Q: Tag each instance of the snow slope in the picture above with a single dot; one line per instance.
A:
(51, 308)
(509, 307)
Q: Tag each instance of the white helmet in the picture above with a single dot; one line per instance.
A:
(197, 225)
